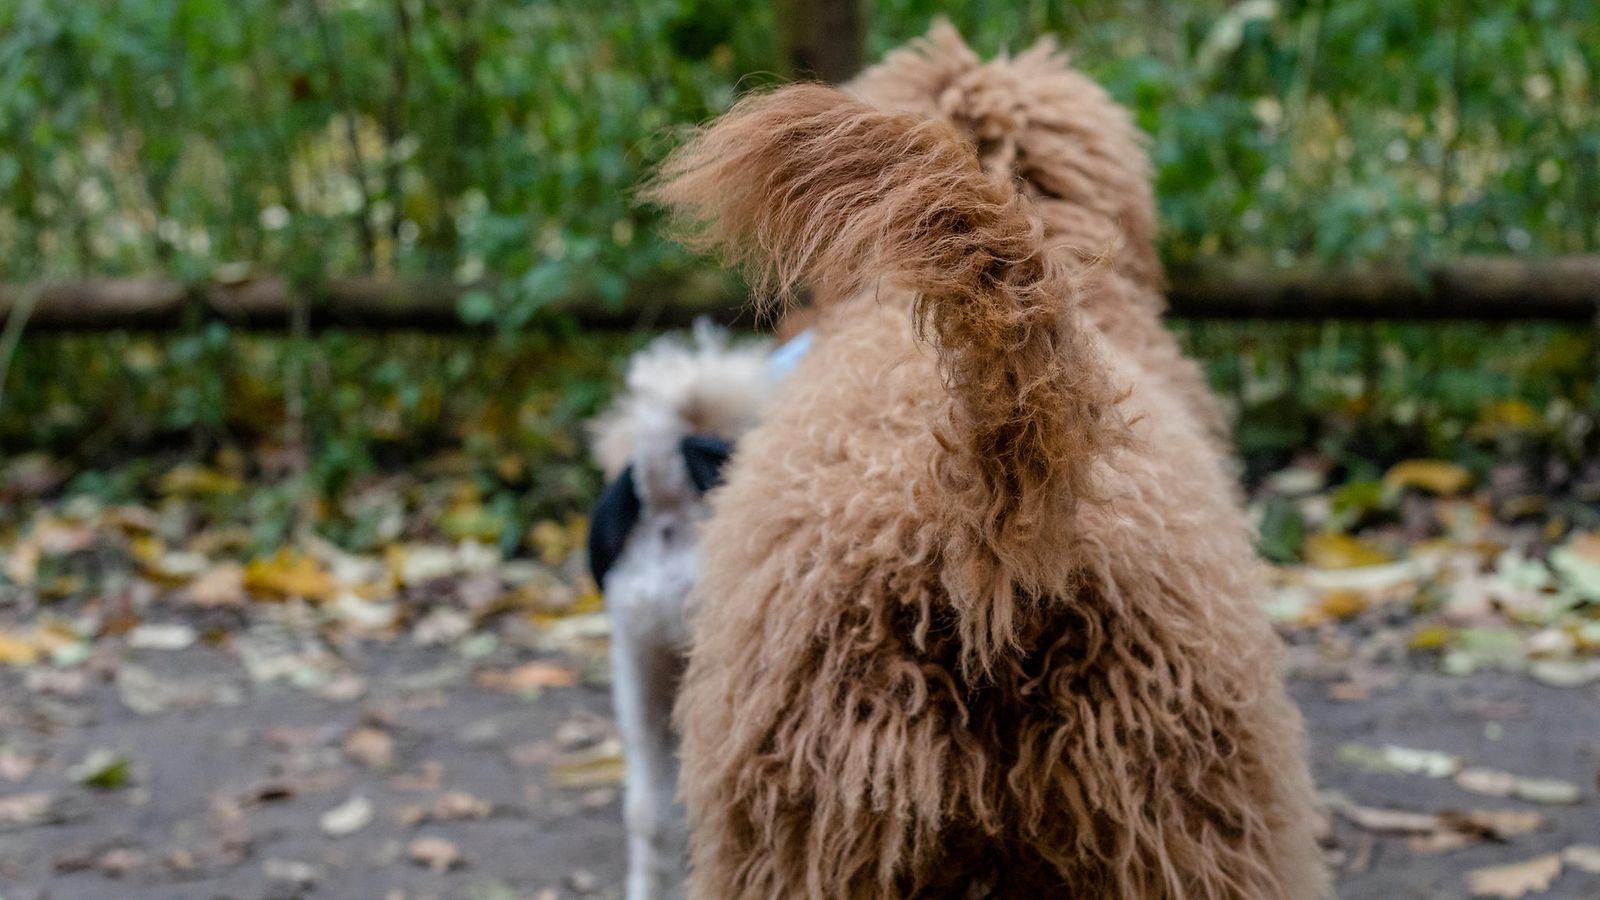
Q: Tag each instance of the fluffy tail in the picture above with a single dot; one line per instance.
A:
(807, 186)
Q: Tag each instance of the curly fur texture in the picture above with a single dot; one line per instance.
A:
(1078, 156)
(978, 612)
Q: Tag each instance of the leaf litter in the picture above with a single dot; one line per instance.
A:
(1424, 563)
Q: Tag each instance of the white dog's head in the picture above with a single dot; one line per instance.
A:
(686, 400)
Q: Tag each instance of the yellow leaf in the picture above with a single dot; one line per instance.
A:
(288, 573)
(195, 480)
(469, 518)
(597, 766)
(549, 540)
(1430, 637)
(1343, 604)
(18, 651)
(1331, 550)
(1432, 475)
(1504, 417)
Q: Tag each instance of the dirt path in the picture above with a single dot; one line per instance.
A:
(230, 782)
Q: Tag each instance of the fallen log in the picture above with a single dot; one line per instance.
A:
(1478, 288)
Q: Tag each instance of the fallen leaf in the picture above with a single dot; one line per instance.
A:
(1340, 605)
(219, 585)
(21, 566)
(120, 862)
(1389, 821)
(348, 817)
(149, 694)
(289, 871)
(289, 573)
(1496, 824)
(1400, 760)
(372, 747)
(441, 626)
(25, 809)
(1566, 673)
(15, 766)
(1332, 550)
(1515, 879)
(1473, 649)
(190, 479)
(599, 765)
(435, 853)
(528, 677)
(427, 777)
(1585, 857)
(103, 768)
(1436, 476)
(161, 637)
(1500, 418)
(16, 650)
(460, 805)
(1494, 783)
(1430, 637)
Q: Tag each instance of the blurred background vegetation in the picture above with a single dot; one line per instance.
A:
(200, 139)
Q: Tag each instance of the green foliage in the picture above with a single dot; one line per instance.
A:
(507, 136)
(200, 138)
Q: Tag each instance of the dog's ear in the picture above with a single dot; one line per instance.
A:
(613, 518)
(705, 455)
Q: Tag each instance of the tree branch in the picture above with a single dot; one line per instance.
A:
(1484, 288)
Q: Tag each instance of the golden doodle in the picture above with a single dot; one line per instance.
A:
(977, 611)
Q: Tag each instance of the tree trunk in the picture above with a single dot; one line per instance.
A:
(821, 40)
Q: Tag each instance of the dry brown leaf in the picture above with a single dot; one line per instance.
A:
(372, 747)
(1497, 824)
(460, 805)
(1389, 821)
(1515, 879)
(220, 585)
(528, 677)
(436, 853)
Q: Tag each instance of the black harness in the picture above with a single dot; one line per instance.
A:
(618, 508)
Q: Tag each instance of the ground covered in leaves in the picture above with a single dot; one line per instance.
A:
(414, 706)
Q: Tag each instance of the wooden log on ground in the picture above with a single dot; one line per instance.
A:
(1565, 289)
(1478, 288)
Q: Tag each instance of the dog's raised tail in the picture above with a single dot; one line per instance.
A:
(805, 186)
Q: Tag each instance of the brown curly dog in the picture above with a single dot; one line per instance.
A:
(978, 610)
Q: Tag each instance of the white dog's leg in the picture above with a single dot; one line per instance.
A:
(644, 674)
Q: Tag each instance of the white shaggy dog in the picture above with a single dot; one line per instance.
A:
(660, 444)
